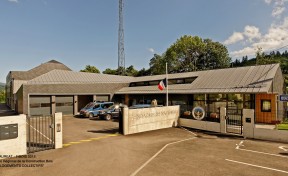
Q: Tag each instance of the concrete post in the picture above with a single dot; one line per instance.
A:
(125, 121)
(58, 130)
(53, 104)
(222, 119)
(75, 104)
(248, 123)
(94, 97)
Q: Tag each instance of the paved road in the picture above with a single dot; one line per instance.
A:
(97, 150)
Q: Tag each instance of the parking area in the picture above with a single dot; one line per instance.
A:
(93, 147)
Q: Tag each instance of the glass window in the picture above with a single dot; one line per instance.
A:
(189, 80)
(153, 83)
(266, 105)
(199, 97)
(235, 97)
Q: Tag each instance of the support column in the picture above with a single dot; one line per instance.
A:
(58, 130)
(76, 104)
(53, 104)
(94, 97)
(222, 119)
(126, 101)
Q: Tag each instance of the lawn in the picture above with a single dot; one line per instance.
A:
(282, 126)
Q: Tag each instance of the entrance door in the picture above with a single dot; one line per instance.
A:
(234, 123)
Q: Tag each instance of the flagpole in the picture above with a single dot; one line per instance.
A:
(167, 85)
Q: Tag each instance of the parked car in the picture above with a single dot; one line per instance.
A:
(110, 113)
(92, 109)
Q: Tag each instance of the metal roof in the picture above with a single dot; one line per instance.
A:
(249, 79)
(68, 77)
(39, 70)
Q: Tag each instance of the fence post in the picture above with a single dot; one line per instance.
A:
(248, 123)
(125, 121)
(222, 119)
(58, 130)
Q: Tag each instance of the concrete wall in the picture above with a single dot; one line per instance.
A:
(201, 125)
(15, 146)
(147, 119)
(250, 131)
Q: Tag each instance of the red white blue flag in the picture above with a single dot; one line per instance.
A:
(162, 84)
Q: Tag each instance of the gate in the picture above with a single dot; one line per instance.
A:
(40, 133)
(234, 123)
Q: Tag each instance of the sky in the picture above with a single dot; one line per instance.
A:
(79, 33)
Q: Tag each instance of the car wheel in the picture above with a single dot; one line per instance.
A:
(91, 116)
(108, 117)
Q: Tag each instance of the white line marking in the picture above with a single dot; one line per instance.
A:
(189, 131)
(283, 148)
(268, 168)
(263, 153)
(239, 145)
(39, 132)
(154, 156)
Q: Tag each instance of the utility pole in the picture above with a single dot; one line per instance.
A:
(121, 52)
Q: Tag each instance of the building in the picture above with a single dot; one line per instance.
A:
(58, 89)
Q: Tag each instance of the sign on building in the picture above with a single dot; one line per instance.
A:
(283, 97)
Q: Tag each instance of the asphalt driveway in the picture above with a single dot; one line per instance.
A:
(93, 147)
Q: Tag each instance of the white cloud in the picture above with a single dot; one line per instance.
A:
(268, 1)
(14, 1)
(234, 38)
(151, 50)
(276, 37)
(251, 32)
(277, 11)
(278, 7)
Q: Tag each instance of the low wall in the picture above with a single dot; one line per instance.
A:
(271, 135)
(250, 131)
(201, 125)
(16, 146)
(147, 119)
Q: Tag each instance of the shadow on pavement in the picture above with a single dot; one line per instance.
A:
(108, 131)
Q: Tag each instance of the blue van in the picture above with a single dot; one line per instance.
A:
(92, 109)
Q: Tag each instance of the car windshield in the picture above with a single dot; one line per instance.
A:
(89, 105)
(113, 107)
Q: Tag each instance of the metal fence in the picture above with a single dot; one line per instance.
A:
(40, 133)
(234, 122)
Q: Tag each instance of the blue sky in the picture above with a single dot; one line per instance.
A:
(78, 33)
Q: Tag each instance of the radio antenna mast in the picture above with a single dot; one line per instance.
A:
(121, 52)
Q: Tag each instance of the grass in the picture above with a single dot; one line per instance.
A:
(282, 126)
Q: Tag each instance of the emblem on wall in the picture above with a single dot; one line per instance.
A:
(198, 113)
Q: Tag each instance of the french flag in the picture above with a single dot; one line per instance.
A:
(162, 84)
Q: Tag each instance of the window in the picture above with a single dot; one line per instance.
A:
(266, 105)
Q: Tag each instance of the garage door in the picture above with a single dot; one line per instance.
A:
(64, 104)
(40, 105)
(102, 97)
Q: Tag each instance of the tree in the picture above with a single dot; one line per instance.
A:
(190, 54)
(2, 96)
(90, 69)
(144, 72)
(131, 71)
(110, 71)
